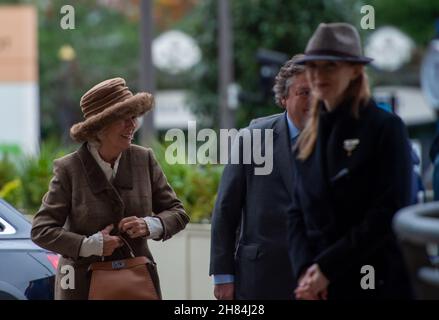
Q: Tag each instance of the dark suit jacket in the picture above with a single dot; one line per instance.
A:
(257, 203)
(344, 204)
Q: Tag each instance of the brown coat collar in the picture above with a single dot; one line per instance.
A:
(96, 178)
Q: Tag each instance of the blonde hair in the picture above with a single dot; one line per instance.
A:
(358, 92)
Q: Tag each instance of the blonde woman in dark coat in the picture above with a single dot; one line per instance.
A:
(108, 187)
(353, 174)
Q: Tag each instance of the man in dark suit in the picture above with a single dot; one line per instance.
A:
(249, 247)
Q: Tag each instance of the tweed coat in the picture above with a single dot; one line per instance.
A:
(81, 201)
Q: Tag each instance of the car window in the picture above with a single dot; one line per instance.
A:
(15, 225)
(6, 228)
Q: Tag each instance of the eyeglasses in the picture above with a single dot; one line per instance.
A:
(303, 93)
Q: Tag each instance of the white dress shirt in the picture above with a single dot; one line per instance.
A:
(94, 244)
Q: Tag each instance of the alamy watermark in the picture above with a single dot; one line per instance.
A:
(367, 282)
(368, 20)
(67, 22)
(67, 281)
(247, 146)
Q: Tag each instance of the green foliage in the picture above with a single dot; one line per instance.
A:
(10, 184)
(106, 45)
(24, 181)
(278, 25)
(35, 174)
(8, 170)
(414, 17)
(12, 192)
(195, 185)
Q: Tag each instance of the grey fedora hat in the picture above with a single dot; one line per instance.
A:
(337, 41)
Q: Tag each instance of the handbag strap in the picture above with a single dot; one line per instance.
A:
(125, 242)
(128, 245)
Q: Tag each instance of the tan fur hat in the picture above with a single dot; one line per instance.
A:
(106, 102)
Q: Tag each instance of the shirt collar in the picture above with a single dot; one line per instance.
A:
(110, 173)
(294, 132)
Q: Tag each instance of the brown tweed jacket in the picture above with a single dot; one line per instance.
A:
(80, 202)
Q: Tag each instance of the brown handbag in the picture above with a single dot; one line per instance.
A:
(126, 279)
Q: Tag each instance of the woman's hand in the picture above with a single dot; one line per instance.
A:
(134, 226)
(312, 285)
(110, 242)
(303, 291)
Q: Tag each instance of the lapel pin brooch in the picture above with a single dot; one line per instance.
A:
(350, 144)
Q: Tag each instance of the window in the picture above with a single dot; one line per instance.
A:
(6, 228)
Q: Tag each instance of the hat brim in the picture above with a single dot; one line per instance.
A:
(136, 105)
(319, 57)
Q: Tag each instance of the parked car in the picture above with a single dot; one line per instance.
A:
(27, 272)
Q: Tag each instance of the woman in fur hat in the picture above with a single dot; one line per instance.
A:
(108, 188)
(353, 174)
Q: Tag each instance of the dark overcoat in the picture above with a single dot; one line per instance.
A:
(347, 192)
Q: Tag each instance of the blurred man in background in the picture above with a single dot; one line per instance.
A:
(249, 248)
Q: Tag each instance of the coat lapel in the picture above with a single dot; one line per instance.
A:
(95, 177)
(282, 152)
(346, 128)
(99, 183)
(124, 175)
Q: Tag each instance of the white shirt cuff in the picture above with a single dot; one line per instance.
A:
(92, 246)
(155, 227)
